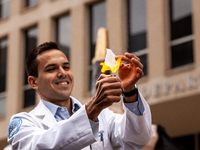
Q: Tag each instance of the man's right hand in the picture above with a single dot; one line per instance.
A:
(108, 91)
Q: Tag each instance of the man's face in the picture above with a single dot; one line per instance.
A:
(55, 80)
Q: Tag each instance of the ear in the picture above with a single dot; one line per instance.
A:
(32, 82)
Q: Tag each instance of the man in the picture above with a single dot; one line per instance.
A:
(59, 121)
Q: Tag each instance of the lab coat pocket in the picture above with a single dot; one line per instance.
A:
(99, 145)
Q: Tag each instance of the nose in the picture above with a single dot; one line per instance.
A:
(61, 73)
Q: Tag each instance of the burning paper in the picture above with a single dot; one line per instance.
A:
(110, 63)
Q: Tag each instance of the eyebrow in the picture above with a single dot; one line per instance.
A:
(51, 65)
(66, 63)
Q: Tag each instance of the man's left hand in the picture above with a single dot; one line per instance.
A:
(130, 73)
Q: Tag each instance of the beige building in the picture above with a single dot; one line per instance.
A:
(165, 34)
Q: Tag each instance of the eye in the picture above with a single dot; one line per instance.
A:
(50, 69)
(66, 67)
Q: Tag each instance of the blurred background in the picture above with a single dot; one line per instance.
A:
(164, 34)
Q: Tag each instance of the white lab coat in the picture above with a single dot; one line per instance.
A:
(39, 130)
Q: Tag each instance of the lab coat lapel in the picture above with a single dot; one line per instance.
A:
(42, 112)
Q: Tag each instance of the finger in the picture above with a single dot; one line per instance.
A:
(110, 79)
(108, 82)
(98, 83)
(110, 86)
(107, 95)
(130, 55)
(110, 92)
(137, 63)
(102, 76)
(126, 59)
(140, 73)
(116, 57)
(113, 92)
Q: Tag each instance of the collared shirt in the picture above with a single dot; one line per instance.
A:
(137, 107)
(61, 113)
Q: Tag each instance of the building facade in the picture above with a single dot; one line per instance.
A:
(164, 34)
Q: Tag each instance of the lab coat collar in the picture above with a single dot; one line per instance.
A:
(42, 112)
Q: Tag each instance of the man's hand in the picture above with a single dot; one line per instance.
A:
(130, 73)
(108, 91)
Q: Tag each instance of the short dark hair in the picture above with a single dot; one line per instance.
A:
(31, 60)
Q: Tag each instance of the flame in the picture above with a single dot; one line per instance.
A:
(113, 69)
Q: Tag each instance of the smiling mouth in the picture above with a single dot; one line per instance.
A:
(62, 83)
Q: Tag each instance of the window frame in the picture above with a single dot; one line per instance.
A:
(27, 3)
(2, 15)
(3, 93)
(26, 86)
(91, 45)
(140, 52)
(180, 40)
(57, 34)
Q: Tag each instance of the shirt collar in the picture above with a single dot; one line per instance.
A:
(53, 108)
(75, 106)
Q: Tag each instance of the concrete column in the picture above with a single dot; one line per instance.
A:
(79, 53)
(15, 75)
(16, 7)
(196, 30)
(116, 25)
(158, 37)
(46, 30)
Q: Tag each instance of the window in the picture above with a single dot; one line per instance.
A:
(97, 20)
(3, 56)
(181, 40)
(30, 44)
(30, 3)
(63, 34)
(4, 8)
(137, 30)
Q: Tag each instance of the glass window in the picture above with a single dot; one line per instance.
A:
(182, 54)
(181, 19)
(30, 44)
(3, 51)
(2, 105)
(3, 60)
(181, 32)
(97, 20)
(137, 30)
(30, 3)
(63, 34)
(4, 8)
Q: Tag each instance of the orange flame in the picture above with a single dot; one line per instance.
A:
(114, 69)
